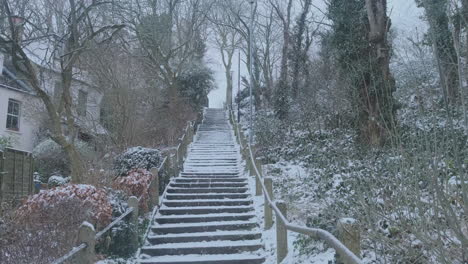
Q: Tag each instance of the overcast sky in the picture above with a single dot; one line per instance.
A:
(406, 18)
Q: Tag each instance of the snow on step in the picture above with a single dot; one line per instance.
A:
(207, 215)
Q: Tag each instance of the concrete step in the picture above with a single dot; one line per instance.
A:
(199, 196)
(204, 236)
(194, 218)
(203, 227)
(210, 180)
(213, 202)
(206, 185)
(220, 247)
(207, 259)
(204, 210)
(206, 190)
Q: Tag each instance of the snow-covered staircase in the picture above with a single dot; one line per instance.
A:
(207, 214)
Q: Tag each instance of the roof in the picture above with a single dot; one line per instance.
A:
(9, 80)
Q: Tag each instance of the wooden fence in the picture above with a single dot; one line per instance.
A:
(348, 244)
(16, 175)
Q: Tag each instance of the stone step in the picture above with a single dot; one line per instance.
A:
(204, 236)
(194, 218)
(203, 227)
(204, 210)
(207, 185)
(207, 259)
(220, 247)
(209, 177)
(200, 180)
(221, 174)
(217, 202)
(206, 190)
(226, 196)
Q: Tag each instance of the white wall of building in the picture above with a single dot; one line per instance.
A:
(24, 138)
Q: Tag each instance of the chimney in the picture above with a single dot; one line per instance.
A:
(18, 25)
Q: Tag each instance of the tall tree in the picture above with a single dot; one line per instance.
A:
(360, 29)
(282, 90)
(227, 39)
(442, 41)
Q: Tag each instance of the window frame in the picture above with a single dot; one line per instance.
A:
(13, 115)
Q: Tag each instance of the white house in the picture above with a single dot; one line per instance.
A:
(20, 108)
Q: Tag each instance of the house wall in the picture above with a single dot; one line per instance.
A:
(25, 137)
(49, 78)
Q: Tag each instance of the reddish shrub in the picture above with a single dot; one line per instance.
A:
(42, 206)
(136, 183)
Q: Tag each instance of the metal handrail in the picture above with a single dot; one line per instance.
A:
(331, 240)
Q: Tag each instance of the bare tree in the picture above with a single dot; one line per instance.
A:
(227, 39)
(66, 44)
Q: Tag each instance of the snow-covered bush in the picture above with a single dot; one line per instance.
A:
(50, 158)
(46, 236)
(57, 180)
(137, 158)
(41, 207)
(118, 245)
(136, 183)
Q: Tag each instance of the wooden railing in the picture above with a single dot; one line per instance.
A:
(348, 248)
(84, 252)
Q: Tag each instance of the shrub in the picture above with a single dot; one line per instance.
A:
(57, 180)
(50, 158)
(41, 207)
(50, 235)
(136, 183)
(136, 158)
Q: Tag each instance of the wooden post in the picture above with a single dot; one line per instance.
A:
(86, 235)
(153, 191)
(348, 234)
(281, 233)
(133, 203)
(258, 186)
(267, 208)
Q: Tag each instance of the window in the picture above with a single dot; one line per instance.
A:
(82, 102)
(13, 115)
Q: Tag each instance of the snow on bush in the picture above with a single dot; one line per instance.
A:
(57, 180)
(137, 158)
(136, 183)
(51, 159)
(93, 199)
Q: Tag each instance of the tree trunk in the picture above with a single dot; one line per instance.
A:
(76, 163)
(282, 89)
(443, 44)
(228, 87)
(378, 118)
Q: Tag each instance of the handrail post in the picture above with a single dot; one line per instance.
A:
(153, 191)
(86, 235)
(174, 165)
(348, 234)
(250, 164)
(281, 233)
(258, 186)
(267, 210)
(133, 203)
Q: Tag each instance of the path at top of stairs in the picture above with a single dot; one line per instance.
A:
(207, 214)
